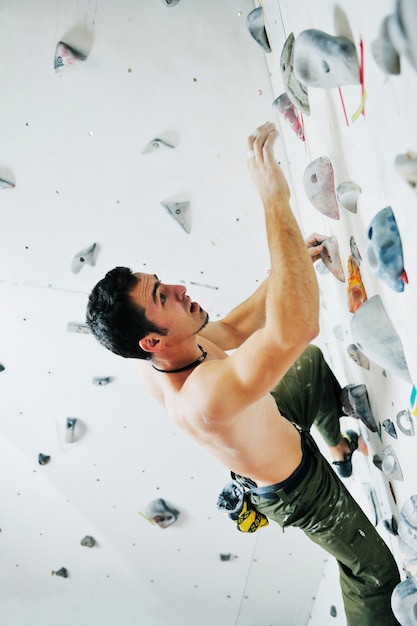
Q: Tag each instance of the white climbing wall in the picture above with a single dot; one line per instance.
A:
(71, 142)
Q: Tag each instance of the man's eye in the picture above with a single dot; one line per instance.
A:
(163, 298)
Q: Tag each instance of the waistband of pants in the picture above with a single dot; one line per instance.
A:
(289, 484)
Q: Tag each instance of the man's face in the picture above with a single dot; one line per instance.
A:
(168, 306)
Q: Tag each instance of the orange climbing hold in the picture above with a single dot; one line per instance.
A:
(356, 290)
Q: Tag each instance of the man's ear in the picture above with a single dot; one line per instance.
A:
(152, 343)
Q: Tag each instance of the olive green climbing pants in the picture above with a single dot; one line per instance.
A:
(321, 505)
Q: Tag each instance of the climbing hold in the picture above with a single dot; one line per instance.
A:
(88, 541)
(88, 255)
(405, 422)
(63, 572)
(338, 332)
(318, 182)
(156, 144)
(331, 257)
(77, 327)
(65, 55)
(170, 3)
(347, 193)
(355, 250)
(383, 51)
(161, 513)
(356, 290)
(373, 332)
(402, 31)
(404, 602)
(74, 430)
(384, 249)
(333, 611)
(377, 461)
(225, 556)
(390, 464)
(373, 501)
(285, 107)
(5, 184)
(406, 167)
(391, 526)
(102, 380)
(355, 402)
(2, 368)
(389, 428)
(358, 356)
(321, 268)
(255, 23)
(180, 212)
(295, 90)
(321, 60)
(43, 459)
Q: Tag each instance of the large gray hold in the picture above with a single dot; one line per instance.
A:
(295, 90)
(255, 23)
(321, 60)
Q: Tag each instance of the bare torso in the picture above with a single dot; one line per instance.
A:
(258, 442)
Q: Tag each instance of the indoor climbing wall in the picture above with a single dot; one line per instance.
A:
(123, 142)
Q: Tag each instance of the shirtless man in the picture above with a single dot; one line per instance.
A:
(224, 401)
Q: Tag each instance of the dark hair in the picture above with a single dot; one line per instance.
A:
(114, 319)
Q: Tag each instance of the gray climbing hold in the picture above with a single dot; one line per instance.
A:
(2, 368)
(161, 513)
(63, 572)
(390, 464)
(402, 30)
(384, 250)
(347, 193)
(358, 356)
(170, 3)
(405, 423)
(391, 526)
(321, 60)
(355, 402)
(43, 459)
(373, 332)
(6, 184)
(331, 257)
(404, 602)
(77, 327)
(255, 23)
(318, 182)
(102, 381)
(74, 430)
(225, 556)
(180, 212)
(87, 256)
(88, 541)
(383, 51)
(333, 611)
(377, 461)
(66, 55)
(406, 167)
(355, 251)
(295, 90)
(156, 144)
(389, 428)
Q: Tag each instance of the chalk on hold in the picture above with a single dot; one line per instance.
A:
(156, 144)
(289, 112)
(355, 402)
(6, 184)
(318, 182)
(295, 90)
(356, 289)
(406, 167)
(161, 513)
(87, 256)
(358, 356)
(383, 51)
(389, 428)
(390, 464)
(347, 193)
(331, 257)
(405, 423)
(43, 459)
(355, 250)
(404, 601)
(373, 332)
(384, 250)
(88, 541)
(74, 430)
(255, 23)
(321, 60)
(180, 212)
(65, 55)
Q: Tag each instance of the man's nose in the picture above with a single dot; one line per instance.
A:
(180, 291)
